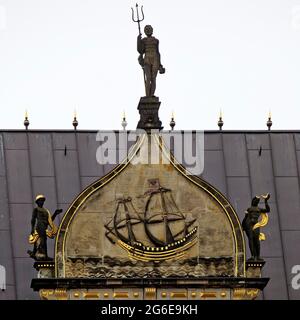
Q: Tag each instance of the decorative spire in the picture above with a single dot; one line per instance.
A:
(220, 122)
(26, 121)
(172, 122)
(124, 122)
(269, 122)
(75, 122)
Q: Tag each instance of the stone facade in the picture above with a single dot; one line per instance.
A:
(90, 250)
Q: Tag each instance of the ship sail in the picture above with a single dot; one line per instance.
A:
(165, 226)
(164, 218)
(124, 220)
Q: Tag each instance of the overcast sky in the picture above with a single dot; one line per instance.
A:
(241, 56)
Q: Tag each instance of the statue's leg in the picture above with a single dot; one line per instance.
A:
(41, 247)
(32, 253)
(258, 249)
(256, 243)
(154, 72)
(147, 70)
(249, 233)
(34, 248)
(46, 249)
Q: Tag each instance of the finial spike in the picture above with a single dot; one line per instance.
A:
(269, 122)
(220, 122)
(26, 121)
(124, 122)
(172, 122)
(75, 121)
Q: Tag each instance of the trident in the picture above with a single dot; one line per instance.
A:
(138, 20)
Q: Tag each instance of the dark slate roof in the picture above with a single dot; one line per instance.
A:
(36, 162)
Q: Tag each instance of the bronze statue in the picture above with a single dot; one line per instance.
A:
(41, 219)
(251, 225)
(149, 58)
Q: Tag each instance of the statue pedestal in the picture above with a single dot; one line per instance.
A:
(45, 269)
(253, 268)
(148, 108)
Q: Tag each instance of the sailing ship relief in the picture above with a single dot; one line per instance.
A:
(160, 232)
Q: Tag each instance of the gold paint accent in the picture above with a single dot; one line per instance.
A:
(223, 294)
(242, 293)
(91, 295)
(193, 294)
(45, 265)
(150, 292)
(163, 294)
(252, 293)
(136, 294)
(76, 294)
(239, 293)
(156, 256)
(40, 196)
(121, 295)
(263, 222)
(208, 295)
(44, 294)
(106, 295)
(178, 294)
(61, 294)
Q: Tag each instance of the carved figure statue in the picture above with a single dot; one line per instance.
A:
(149, 58)
(251, 224)
(41, 220)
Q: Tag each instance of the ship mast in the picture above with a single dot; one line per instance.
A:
(129, 222)
(168, 234)
(164, 218)
(131, 236)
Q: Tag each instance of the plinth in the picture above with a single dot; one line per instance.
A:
(45, 268)
(148, 109)
(254, 268)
